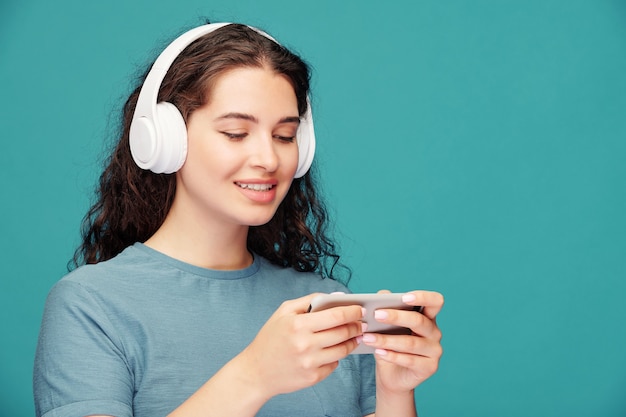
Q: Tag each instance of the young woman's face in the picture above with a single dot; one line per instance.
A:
(242, 152)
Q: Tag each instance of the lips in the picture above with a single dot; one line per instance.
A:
(255, 186)
(259, 192)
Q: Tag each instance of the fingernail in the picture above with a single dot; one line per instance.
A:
(380, 352)
(359, 339)
(380, 315)
(338, 292)
(369, 338)
(363, 311)
(363, 327)
(407, 298)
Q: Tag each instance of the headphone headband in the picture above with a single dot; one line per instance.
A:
(147, 101)
(158, 135)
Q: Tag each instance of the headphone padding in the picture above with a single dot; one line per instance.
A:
(306, 143)
(173, 135)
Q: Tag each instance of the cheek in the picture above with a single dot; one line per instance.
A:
(291, 160)
(210, 156)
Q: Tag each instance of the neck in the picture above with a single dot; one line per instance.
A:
(202, 242)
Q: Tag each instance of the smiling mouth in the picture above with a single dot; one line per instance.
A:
(255, 187)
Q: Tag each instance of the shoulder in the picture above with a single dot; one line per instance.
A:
(130, 261)
(133, 270)
(101, 283)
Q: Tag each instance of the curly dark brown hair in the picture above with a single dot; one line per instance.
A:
(132, 203)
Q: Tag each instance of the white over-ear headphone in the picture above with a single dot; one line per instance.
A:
(158, 134)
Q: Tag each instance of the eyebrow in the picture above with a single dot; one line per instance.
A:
(251, 118)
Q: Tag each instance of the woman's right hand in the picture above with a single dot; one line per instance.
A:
(296, 349)
(293, 350)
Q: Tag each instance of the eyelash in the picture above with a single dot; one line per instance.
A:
(234, 136)
(240, 136)
(285, 138)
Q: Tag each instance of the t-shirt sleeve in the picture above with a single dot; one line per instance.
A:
(80, 368)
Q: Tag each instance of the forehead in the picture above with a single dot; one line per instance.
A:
(252, 87)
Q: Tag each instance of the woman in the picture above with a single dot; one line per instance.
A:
(180, 307)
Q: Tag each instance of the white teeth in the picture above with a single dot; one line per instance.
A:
(256, 187)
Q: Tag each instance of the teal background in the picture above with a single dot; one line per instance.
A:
(472, 147)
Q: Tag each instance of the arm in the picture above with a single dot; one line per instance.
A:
(77, 350)
(229, 392)
(293, 350)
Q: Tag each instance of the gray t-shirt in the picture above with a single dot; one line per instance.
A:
(138, 334)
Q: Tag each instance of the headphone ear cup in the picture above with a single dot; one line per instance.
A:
(306, 144)
(173, 137)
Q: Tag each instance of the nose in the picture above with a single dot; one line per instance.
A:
(263, 153)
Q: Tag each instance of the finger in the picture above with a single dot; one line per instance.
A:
(338, 335)
(422, 367)
(334, 317)
(298, 305)
(410, 344)
(318, 358)
(431, 301)
(338, 351)
(418, 323)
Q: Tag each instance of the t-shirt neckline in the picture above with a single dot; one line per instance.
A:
(197, 270)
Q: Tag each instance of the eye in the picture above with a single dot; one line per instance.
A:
(288, 139)
(234, 136)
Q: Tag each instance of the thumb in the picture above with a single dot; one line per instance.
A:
(299, 305)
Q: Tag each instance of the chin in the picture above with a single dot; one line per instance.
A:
(261, 220)
(257, 216)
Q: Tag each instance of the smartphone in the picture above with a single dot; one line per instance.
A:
(371, 302)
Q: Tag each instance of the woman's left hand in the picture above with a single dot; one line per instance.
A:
(405, 361)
